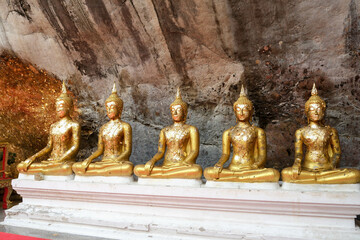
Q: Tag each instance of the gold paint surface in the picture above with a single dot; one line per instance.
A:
(27, 107)
(63, 144)
(322, 156)
(249, 150)
(179, 143)
(115, 143)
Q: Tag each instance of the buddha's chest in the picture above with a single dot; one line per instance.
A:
(61, 132)
(113, 132)
(176, 136)
(242, 136)
(316, 137)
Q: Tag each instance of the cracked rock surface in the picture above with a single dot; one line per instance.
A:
(209, 47)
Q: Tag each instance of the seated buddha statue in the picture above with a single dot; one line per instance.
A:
(63, 143)
(249, 150)
(181, 142)
(114, 143)
(322, 155)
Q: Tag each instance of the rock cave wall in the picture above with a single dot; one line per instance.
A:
(208, 48)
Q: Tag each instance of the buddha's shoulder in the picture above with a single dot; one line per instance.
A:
(331, 129)
(258, 129)
(301, 130)
(190, 127)
(167, 128)
(227, 131)
(125, 124)
(74, 123)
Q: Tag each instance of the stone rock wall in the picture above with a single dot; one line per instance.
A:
(208, 48)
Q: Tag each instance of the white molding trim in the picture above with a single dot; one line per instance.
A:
(168, 212)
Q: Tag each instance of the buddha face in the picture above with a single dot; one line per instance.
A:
(242, 112)
(177, 113)
(316, 112)
(112, 110)
(62, 109)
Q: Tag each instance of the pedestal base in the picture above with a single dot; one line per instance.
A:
(170, 182)
(133, 211)
(241, 185)
(47, 177)
(101, 179)
(321, 187)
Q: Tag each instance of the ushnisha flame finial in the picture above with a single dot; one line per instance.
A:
(63, 90)
(243, 99)
(178, 94)
(178, 101)
(114, 97)
(242, 93)
(114, 88)
(314, 90)
(314, 98)
(64, 96)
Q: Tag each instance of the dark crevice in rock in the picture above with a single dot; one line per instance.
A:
(352, 31)
(21, 7)
(219, 31)
(128, 19)
(173, 37)
(155, 53)
(101, 16)
(70, 36)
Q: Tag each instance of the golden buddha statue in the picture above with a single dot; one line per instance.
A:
(182, 143)
(115, 143)
(63, 143)
(249, 150)
(322, 150)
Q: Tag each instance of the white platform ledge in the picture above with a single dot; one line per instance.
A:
(321, 187)
(241, 185)
(170, 182)
(133, 211)
(47, 177)
(101, 179)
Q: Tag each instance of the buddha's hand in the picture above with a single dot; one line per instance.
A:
(84, 165)
(148, 167)
(296, 168)
(24, 167)
(218, 168)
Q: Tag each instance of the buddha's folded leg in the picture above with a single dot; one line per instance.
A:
(110, 169)
(339, 176)
(186, 172)
(305, 177)
(58, 169)
(252, 175)
(38, 167)
(258, 175)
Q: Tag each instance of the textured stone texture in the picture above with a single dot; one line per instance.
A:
(279, 48)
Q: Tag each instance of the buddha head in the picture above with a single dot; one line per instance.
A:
(114, 104)
(315, 107)
(63, 103)
(178, 108)
(243, 107)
